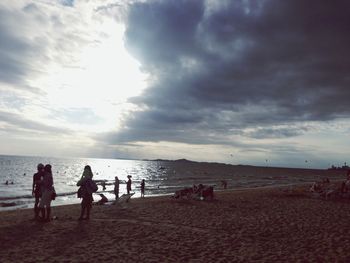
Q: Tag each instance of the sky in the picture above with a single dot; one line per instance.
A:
(240, 82)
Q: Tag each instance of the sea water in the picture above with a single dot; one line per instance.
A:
(162, 177)
(18, 172)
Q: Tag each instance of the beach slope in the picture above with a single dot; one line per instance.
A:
(265, 225)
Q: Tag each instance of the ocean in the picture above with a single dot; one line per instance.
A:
(162, 177)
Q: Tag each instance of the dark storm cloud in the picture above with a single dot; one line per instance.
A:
(262, 133)
(217, 69)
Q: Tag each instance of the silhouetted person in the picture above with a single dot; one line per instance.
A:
(343, 187)
(86, 193)
(224, 184)
(47, 191)
(116, 187)
(36, 191)
(128, 185)
(103, 199)
(103, 183)
(143, 188)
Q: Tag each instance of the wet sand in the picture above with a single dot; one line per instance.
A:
(256, 225)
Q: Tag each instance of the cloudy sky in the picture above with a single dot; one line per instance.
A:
(243, 81)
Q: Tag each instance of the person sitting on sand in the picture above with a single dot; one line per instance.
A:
(36, 192)
(316, 187)
(47, 190)
(116, 187)
(86, 193)
(103, 200)
(128, 185)
(143, 188)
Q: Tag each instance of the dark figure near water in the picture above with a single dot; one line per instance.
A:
(224, 184)
(128, 184)
(116, 187)
(85, 193)
(103, 183)
(143, 188)
(36, 191)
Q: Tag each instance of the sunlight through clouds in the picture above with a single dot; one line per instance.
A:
(102, 80)
(89, 68)
(71, 70)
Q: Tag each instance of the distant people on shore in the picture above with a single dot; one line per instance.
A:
(87, 187)
(36, 189)
(116, 187)
(47, 191)
(128, 185)
(103, 184)
(143, 188)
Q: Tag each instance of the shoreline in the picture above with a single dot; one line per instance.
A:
(78, 201)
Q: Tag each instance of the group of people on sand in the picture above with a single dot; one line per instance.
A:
(44, 192)
(199, 191)
(319, 186)
(325, 189)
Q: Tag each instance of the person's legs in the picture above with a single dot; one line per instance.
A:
(82, 212)
(42, 204)
(89, 200)
(36, 207)
(86, 205)
(43, 213)
(45, 201)
(48, 213)
(88, 208)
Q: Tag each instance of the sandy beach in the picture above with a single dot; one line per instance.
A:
(256, 225)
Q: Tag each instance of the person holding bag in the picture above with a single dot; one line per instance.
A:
(87, 187)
